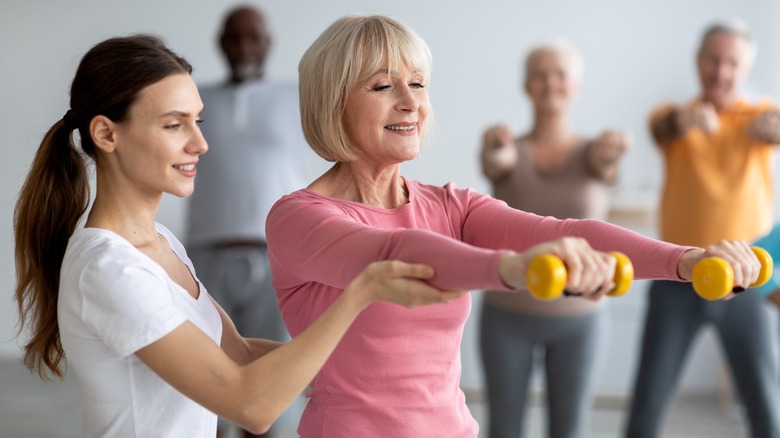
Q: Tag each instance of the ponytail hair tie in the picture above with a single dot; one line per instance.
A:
(69, 120)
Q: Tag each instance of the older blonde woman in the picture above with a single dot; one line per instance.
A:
(364, 106)
(552, 171)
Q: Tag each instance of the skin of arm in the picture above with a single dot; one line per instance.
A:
(241, 350)
(255, 395)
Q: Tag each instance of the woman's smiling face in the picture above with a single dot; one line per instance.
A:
(385, 115)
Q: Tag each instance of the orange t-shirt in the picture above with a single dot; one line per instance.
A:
(718, 186)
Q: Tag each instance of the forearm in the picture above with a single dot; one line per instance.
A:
(494, 225)
(331, 249)
(274, 381)
(253, 395)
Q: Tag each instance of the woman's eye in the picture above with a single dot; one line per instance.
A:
(417, 85)
(173, 126)
(380, 87)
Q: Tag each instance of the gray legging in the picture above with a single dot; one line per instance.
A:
(674, 316)
(571, 346)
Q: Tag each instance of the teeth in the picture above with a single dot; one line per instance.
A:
(185, 166)
(400, 128)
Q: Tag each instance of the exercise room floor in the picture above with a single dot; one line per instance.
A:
(30, 408)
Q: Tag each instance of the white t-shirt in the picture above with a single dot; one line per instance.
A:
(113, 301)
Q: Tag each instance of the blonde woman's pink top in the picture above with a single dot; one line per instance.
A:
(397, 371)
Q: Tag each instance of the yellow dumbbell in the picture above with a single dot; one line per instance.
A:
(713, 277)
(546, 276)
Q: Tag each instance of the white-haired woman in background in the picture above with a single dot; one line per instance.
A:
(551, 170)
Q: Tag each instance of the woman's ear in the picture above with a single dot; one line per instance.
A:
(103, 132)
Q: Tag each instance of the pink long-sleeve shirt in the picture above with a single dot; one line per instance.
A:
(396, 372)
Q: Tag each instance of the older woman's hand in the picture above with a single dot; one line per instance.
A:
(400, 283)
(590, 272)
(736, 253)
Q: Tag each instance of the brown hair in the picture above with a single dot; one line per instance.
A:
(56, 191)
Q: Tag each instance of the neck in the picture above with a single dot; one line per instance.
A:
(721, 103)
(551, 129)
(240, 79)
(131, 215)
(359, 182)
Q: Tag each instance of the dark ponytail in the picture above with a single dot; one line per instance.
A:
(56, 191)
(53, 198)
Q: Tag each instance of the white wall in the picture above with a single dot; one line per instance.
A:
(637, 55)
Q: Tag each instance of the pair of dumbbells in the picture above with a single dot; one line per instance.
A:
(713, 277)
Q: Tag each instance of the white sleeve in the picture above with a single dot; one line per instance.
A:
(126, 301)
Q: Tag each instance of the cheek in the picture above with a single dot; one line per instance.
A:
(424, 110)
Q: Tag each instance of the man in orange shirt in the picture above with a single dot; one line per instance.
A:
(717, 151)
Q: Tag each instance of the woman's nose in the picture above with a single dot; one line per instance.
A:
(407, 100)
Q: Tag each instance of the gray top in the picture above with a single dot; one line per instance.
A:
(257, 154)
(569, 191)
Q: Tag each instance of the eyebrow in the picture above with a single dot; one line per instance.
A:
(179, 113)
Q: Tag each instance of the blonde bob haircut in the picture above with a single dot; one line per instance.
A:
(348, 53)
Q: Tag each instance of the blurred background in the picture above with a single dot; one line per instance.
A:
(637, 54)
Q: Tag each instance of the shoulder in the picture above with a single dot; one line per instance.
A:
(299, 201)
(102, 260)
(756, 106)
(103, 246)
(175, 243)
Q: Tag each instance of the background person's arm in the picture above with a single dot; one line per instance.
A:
(672, 122)
(766, 128)
(603, 154)
(498, 153)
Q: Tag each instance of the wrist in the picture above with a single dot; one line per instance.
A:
(357, 295)
(687, 261)
(511, 270)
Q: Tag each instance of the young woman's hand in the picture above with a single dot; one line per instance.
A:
(400, 283)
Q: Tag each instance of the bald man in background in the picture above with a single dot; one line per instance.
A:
(256, 153)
